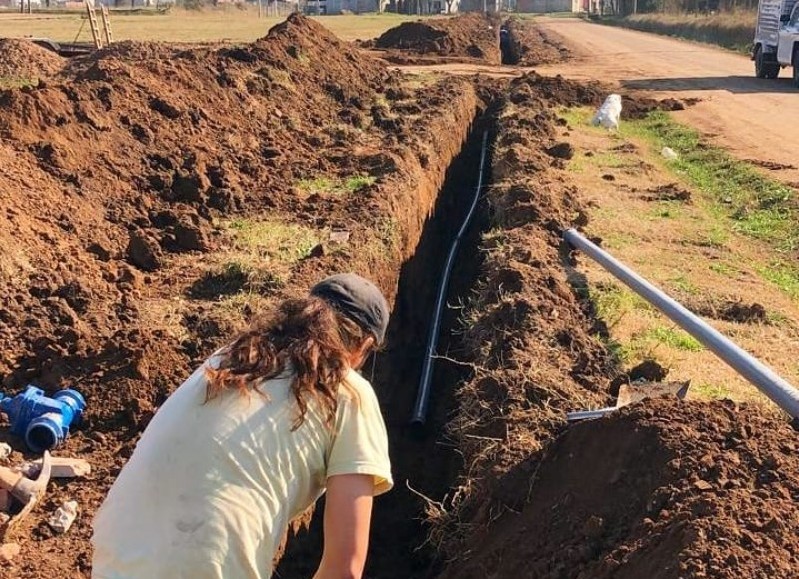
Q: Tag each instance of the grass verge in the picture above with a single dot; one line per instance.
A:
(728, 240)
(731, 30)
(758, 207)
(224, 23)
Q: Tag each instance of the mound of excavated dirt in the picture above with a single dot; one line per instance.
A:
(530, 45)
(529, 336)
(118, 179)
(661, 490)
(541, 91)
(468, 36)
(24, 60)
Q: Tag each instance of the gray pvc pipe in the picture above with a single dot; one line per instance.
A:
(419, 415)
(770, 383)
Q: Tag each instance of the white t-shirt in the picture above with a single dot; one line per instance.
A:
(211, 487)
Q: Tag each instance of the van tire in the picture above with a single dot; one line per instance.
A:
(764, 67)
(760, 71)
(796, 67)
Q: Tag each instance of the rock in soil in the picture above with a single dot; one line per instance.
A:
(9, 552)
(61, 520)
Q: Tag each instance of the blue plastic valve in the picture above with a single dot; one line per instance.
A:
(43, 422)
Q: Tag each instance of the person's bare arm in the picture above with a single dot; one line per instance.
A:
(348, 512)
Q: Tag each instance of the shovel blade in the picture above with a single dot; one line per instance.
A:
(630, 393)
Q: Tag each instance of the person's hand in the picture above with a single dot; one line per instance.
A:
(348, 513)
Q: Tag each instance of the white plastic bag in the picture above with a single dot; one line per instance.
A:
(669, 154)
(609, 113)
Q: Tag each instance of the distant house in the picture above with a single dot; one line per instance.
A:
(344, 6)
(424, 6)
(544, 6)
(480, 5)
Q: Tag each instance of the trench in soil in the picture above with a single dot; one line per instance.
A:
(420, 458)
(510, 47)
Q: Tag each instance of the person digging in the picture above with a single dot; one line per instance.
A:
(250, 441)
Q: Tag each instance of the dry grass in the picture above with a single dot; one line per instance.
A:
(227, 24)
(691, 250)
(733, 30)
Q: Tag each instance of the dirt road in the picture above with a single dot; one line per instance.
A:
(752, 118)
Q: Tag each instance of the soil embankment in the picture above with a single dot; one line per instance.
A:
(470, 37)
(662, 489)
(529, 44)
(24, 61)
(157, 197)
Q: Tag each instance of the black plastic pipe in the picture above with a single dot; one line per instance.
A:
(423, 394)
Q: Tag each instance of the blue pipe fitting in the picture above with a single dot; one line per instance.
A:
(43, 422)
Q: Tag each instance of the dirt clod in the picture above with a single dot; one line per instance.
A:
(561, 151)
(670, 192)
(649, 371)
(143, 252)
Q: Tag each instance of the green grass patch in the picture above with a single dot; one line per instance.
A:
(417, 80)
(710, 391)
(716, 236)
(9, 82)
(732, 30)
(322, 185)
(665, 210)
(724, 268)
(684, 285)
(758, 207)
(609, 160)
(674, 338)
(618, 240)
(273, 239)
(783, 275)
(612, 302)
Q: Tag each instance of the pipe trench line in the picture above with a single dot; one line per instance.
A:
(779, 390)
(420, 408)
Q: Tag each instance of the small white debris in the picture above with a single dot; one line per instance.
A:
(669, 154)
(61, 520)
(609, 113)
(62, 467)
(5, 451)
(9, 552)
(339, 236)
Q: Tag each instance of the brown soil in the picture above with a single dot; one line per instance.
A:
(117, 179)
(670, 192)
(731, 310)
(120, 176)
(472, 36)
(771, 165)
(531, 45)
(24, 60)
(529, 335)
(662, 489)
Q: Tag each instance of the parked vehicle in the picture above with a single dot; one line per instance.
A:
(777, 38)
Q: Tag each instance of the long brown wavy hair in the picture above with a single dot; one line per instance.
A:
(311, 336)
